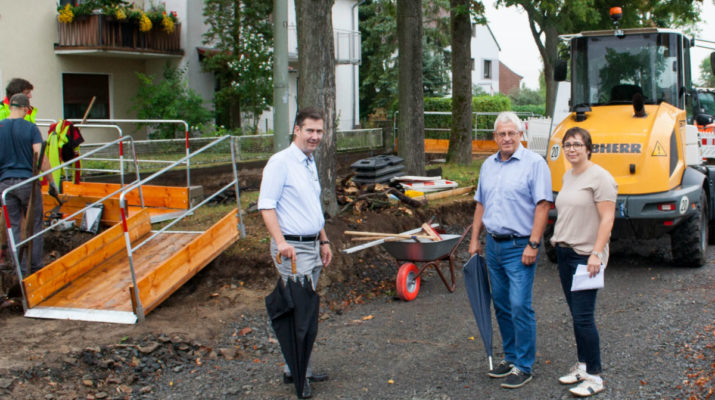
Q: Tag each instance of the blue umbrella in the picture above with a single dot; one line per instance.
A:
(476, 279)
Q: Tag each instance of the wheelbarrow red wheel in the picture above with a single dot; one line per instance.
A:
(408, 281)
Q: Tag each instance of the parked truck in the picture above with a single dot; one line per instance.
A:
(705, 110)
(632, 90)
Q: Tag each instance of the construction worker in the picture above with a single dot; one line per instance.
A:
(18, 85)
(63, 142)
(19, 139)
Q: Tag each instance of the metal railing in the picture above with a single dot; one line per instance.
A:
(156, 153)
(477, 118)
(100, 32)
(347, 45)
(138, 184)
(14, 247)
(97, 123)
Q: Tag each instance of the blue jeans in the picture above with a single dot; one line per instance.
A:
(18, 201)
(512, 283)
(582, 305)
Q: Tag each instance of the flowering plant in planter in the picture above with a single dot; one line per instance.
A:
(119, 10)
(160, 18)
(70, 12)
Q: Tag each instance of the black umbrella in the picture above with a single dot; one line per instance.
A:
(476, 279)
(293, 308)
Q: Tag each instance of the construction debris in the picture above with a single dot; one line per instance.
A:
(379, 196)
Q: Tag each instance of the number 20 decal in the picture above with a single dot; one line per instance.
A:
(554, 152)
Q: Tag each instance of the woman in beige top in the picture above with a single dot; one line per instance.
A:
(586, 208)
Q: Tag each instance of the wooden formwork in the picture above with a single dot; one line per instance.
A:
(164, 202)
(154, 196)
(93, 282)
(111, 213)
(478, 146)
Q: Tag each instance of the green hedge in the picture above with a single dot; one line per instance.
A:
(537, 109)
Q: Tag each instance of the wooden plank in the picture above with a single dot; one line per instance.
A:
(184, 264)
(61, 272)
(380, 234)
(154, 196)
(155, 211)
(71, 204)
(448, 193)
(105, 287)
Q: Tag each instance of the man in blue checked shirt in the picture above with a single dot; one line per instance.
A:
(513, 199)
(290, 204)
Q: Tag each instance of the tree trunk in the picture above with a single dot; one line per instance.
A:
(316, 85)
(460, 138)
(411, 129)
(235, 103)
(551, 55)
(234, 114)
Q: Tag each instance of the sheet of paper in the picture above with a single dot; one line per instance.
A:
(581, 280)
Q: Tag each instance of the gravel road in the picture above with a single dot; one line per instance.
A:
(656, 323)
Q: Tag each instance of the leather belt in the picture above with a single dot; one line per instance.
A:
(303, 238)
(501, 238)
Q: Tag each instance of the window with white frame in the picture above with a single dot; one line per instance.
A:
(487, 69)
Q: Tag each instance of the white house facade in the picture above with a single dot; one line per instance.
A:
(347, 43)
(69, 63)
(485, 59)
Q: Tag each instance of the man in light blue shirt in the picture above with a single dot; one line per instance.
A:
(290, 205)
(513, 199)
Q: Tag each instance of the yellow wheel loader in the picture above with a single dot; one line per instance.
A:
(631, 89)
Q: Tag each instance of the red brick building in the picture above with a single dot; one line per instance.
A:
(509, 81)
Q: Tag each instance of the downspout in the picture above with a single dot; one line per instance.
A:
(353, 17)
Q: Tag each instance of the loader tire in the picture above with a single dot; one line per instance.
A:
(689, 240)
(548, 247)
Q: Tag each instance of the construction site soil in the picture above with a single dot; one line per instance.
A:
(212, 339)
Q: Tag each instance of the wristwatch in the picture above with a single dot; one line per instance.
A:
(534, 245)
(600, 255)
(322, 242)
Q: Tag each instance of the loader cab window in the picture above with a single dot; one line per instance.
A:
(707, 102)
(611, 70)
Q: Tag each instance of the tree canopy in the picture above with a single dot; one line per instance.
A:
(169, 98)
(550, 18)
(707, 79)
(379, 70)
(241, 36)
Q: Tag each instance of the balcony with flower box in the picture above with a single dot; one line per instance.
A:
(104, 35)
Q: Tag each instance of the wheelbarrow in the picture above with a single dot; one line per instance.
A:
(432, 253)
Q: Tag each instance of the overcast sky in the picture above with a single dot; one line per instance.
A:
(518, 51)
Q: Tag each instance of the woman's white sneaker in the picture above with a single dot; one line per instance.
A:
(590, 385)
(575, 374)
